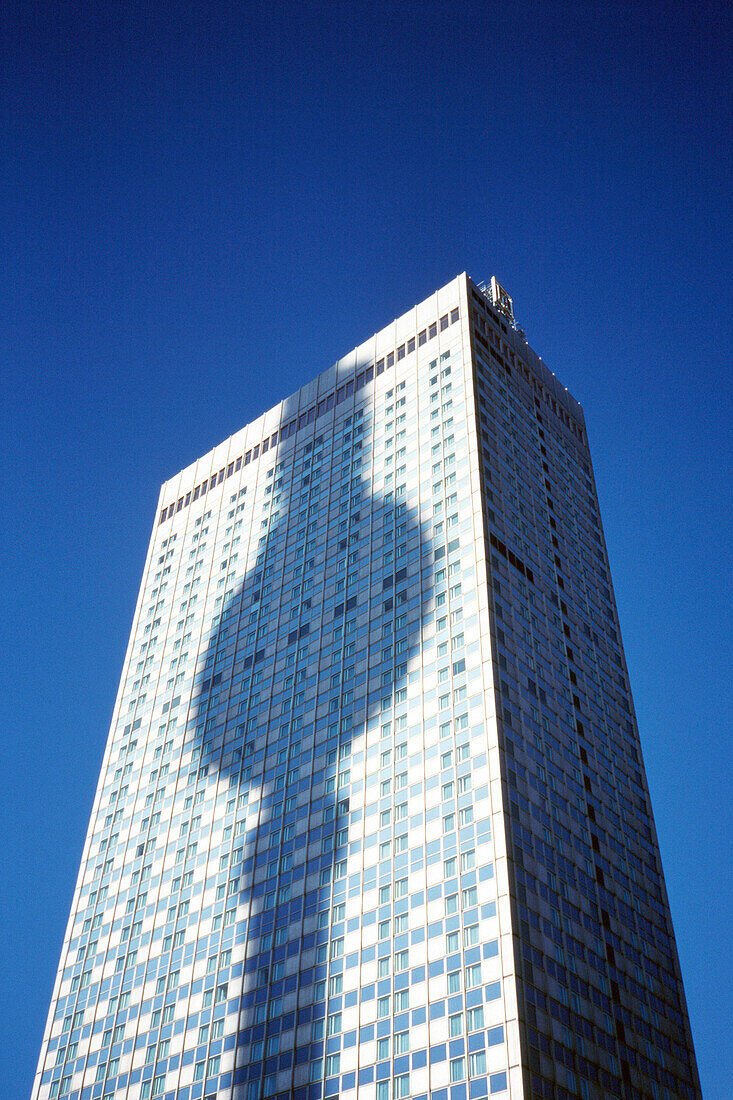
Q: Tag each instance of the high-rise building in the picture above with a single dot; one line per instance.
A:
(372, 819)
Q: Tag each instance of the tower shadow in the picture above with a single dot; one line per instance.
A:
(278, 730)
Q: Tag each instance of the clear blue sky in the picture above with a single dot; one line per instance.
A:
(206, 204)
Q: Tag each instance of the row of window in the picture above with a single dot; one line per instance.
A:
(325, 405)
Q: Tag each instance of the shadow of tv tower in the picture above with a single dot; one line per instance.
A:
(281, 746)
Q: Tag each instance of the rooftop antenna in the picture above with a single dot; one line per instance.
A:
(501, 301)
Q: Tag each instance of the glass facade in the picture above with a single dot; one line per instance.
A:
(372, 820)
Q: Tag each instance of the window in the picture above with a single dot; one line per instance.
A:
(470, 897)
(333, 1064)
(470, 935)
(401, 1087)
(477, 1063)
(457, 1070)
(473, 976)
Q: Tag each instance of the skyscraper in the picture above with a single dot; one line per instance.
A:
(372, 819)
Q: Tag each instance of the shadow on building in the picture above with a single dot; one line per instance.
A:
(287, 752)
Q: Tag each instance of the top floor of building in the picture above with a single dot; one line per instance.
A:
(418, 332)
